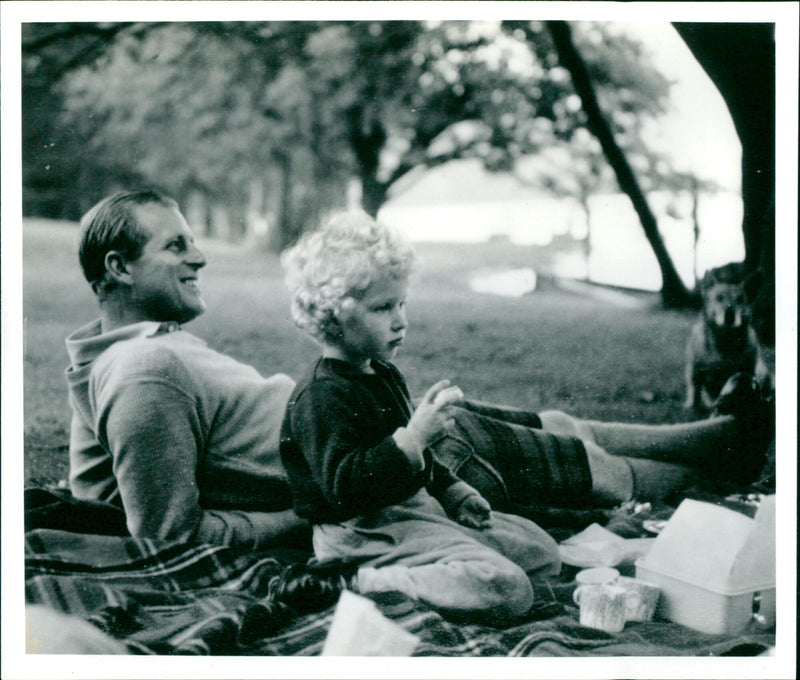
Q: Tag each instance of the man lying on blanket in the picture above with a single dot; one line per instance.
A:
(185, 439)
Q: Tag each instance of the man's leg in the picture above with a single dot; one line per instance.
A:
(513, 464)
(692, 444)
(563, 460)
(648, 462)
(618, 479)
(569, 461)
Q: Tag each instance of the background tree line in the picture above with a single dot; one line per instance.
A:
(258, 128)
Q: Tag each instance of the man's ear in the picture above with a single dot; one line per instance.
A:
(117, 268)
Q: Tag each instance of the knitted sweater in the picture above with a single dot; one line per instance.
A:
(338, 448)
(185, 439)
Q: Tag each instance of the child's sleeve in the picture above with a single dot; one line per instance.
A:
(448, 489)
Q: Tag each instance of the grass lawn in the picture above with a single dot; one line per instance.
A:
(548, 349)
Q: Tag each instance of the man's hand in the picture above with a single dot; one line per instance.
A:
(474, 512)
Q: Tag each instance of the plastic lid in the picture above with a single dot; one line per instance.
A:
(717, 548)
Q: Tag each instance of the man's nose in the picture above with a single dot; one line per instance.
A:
(196, 258)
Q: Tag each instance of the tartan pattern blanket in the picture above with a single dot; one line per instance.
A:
(175, 598)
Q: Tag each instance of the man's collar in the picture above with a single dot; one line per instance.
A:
(88, 342)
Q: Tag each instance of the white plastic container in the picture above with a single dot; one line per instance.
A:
(715, 567)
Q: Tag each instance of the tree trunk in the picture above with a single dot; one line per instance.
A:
(740, 61)
(367, 145)
(587, 241)
(673, 291)
(695, 190)
(373, 193)
(280, 234)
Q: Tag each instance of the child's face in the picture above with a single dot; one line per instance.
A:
(376, 325)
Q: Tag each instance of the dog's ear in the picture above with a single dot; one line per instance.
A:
(708, 280)
(732, 273)
(752, 284)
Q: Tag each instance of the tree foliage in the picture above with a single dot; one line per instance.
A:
(276, 118)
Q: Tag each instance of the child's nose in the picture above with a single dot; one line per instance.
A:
(399, 320)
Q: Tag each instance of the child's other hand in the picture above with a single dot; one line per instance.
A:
(474, 512)
(433, 412)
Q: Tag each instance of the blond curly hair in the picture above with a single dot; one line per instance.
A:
(328, 269)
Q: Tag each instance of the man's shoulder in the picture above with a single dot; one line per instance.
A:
(164, 355)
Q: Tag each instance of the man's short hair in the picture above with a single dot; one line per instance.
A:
(112, 225)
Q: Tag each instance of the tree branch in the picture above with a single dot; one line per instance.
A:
(71, 31)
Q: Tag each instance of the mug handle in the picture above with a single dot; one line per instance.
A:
(576, 595)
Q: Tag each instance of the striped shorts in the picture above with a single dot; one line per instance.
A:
(506, 456)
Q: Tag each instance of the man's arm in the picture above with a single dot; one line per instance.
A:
(153, 430)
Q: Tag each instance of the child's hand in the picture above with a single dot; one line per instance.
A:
(433, 412)
(474, 512)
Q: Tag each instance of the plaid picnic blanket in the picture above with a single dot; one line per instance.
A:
(175, 598)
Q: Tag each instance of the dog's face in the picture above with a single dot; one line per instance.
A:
(727, 292)
(725, 305)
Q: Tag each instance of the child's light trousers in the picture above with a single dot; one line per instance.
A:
(414, 548)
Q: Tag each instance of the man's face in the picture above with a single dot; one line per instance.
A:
(164, 286)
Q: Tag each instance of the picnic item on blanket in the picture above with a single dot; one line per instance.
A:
(359, 629)
(603, 605)
(596, 575)
(48, 631)
(596, 546)
(643, 608)
(715, 567)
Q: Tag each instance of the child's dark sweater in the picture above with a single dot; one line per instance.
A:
(338, 450)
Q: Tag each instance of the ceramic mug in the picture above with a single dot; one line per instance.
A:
(648, 593)
(604, 605)
(596, 575)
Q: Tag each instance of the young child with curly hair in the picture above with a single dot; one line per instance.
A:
(358, 454)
